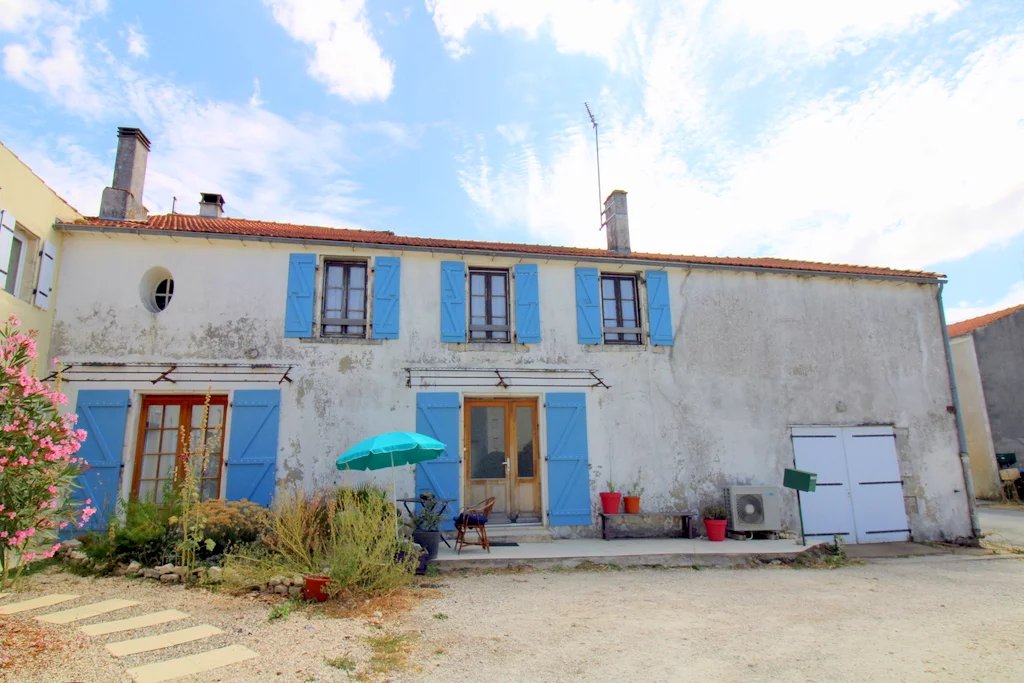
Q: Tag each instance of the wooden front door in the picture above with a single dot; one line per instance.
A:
(501, 458)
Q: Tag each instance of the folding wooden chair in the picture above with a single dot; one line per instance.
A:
(473, 518)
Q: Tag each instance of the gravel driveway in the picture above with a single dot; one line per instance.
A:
(931, 618)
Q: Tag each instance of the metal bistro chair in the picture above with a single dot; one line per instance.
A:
(473, 518)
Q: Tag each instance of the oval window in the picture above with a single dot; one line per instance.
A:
(163, 293)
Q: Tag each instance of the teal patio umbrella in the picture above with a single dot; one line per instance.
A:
(391, 449)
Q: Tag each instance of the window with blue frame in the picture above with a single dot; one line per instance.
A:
(346, 299)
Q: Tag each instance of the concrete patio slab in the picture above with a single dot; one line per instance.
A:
(86, 611)
(193, 664)
(123, 648)
(36, 603)
(152, 619)
(671, 552)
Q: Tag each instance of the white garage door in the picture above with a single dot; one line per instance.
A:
(859, 494)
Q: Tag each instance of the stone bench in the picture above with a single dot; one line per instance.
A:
(683, 524)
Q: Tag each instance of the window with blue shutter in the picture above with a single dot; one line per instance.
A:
(437, 415)
(588, 307)
(386, 297)
(252, 451)
(453, 301)
(103, 415)
(527, 304)
(659, 311)
(298, 317)
(568, 459)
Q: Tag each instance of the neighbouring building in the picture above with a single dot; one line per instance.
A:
(547, 370)
(29, 247)
(988, 359)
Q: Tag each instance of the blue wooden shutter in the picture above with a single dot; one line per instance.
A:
(103, 414)
(453, 301)
(588, 306)
(437, 415)
(298, 316)
(659, 312)
(568, 471)
(252, 450)
(527, 304)
(386, 291)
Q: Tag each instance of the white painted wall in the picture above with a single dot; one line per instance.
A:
(754, 354)
(974, 414)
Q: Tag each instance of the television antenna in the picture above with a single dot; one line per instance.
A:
(597, 148)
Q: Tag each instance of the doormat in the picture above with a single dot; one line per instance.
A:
(503, 544)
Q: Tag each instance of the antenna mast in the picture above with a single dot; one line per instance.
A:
(597, 147)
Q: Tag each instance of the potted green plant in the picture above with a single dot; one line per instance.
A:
(427, 523)
(715, 519)
(631, 501)
(611, 499)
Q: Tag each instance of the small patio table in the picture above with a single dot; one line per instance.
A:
(410, 507)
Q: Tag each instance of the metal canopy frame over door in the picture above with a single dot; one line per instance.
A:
(512, 476)
(859, 493)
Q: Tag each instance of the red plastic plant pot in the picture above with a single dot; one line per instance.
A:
(716, 529)
(314, 588)
(610, 502)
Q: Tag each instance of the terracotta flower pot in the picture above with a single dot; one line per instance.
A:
(631, 504)
(314, 588)
(610, 502)
(716, 529)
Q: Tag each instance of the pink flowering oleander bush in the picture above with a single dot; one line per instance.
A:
(38, 465)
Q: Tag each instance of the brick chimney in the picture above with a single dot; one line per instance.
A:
(123, 199)
(211, 205)
(616, 222)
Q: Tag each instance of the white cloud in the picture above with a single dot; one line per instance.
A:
(965, 310)
(346, 56)
(822, 29)
(255, 100)
(137, 46)
(589, 27)
(46, 54)
(917, 168)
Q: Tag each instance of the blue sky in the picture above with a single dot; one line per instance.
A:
(878, 132)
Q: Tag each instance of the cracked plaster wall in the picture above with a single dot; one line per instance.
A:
(754, 354)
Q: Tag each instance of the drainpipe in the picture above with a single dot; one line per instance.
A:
(965, 463)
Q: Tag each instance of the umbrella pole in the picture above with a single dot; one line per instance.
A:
(394, 494)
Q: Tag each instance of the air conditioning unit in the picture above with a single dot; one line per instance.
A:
(754, 508)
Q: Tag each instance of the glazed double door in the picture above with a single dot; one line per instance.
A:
(502, 459)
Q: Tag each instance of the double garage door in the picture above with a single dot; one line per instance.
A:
(859, 493)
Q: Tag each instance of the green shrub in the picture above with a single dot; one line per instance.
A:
(348, 534)
(230, 523)
(143, 533)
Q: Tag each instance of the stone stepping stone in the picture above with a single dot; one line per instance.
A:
(123, 648)
(193, 664)
(36, 603)
(86, 611)
(152, 619)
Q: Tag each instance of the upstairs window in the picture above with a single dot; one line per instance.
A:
(620, 311)
(15, 265)
(488, 305)
(344, 299)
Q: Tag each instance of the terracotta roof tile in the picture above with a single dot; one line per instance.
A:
(268, 229)
(965, 326)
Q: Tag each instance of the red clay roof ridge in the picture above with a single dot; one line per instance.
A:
(250, 227)
(965, 326)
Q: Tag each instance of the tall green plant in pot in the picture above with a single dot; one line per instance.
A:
(427, 524)
(716, 517)
(38, 464)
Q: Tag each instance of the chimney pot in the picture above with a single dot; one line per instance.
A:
(123, 199)
(211, 205)
(616, 222)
